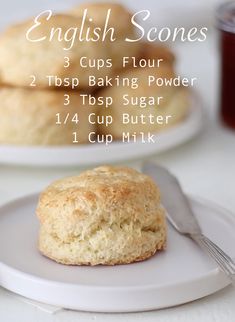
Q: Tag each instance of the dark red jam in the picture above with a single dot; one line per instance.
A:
(226, 25)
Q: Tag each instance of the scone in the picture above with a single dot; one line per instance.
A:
(120, 20)
(148, 108)
(157, 51)
(29, 117)
(21, 60)
(108, 215)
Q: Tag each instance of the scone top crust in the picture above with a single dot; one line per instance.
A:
(16, 33)
(120, 18)
(102, 196)
(95, 189)
(46, 57)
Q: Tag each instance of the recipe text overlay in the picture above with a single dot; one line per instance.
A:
(129, 85)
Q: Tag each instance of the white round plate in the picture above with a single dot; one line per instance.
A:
(178, 275)
(91, 154)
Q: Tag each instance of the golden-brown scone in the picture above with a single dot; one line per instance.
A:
(21, 58)
(28, 117)
(171, 109)
(120, 20)
(108, 215)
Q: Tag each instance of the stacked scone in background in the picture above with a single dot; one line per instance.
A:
(28, 111)
(34, 113)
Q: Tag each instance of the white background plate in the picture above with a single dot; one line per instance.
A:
(92, 154)
(180, 274)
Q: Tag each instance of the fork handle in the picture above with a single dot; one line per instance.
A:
(225, 262)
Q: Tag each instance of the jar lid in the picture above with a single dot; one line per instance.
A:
(226, 17)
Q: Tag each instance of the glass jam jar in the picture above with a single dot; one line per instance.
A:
(226, 26)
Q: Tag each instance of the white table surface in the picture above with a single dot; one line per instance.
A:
(205, 167)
